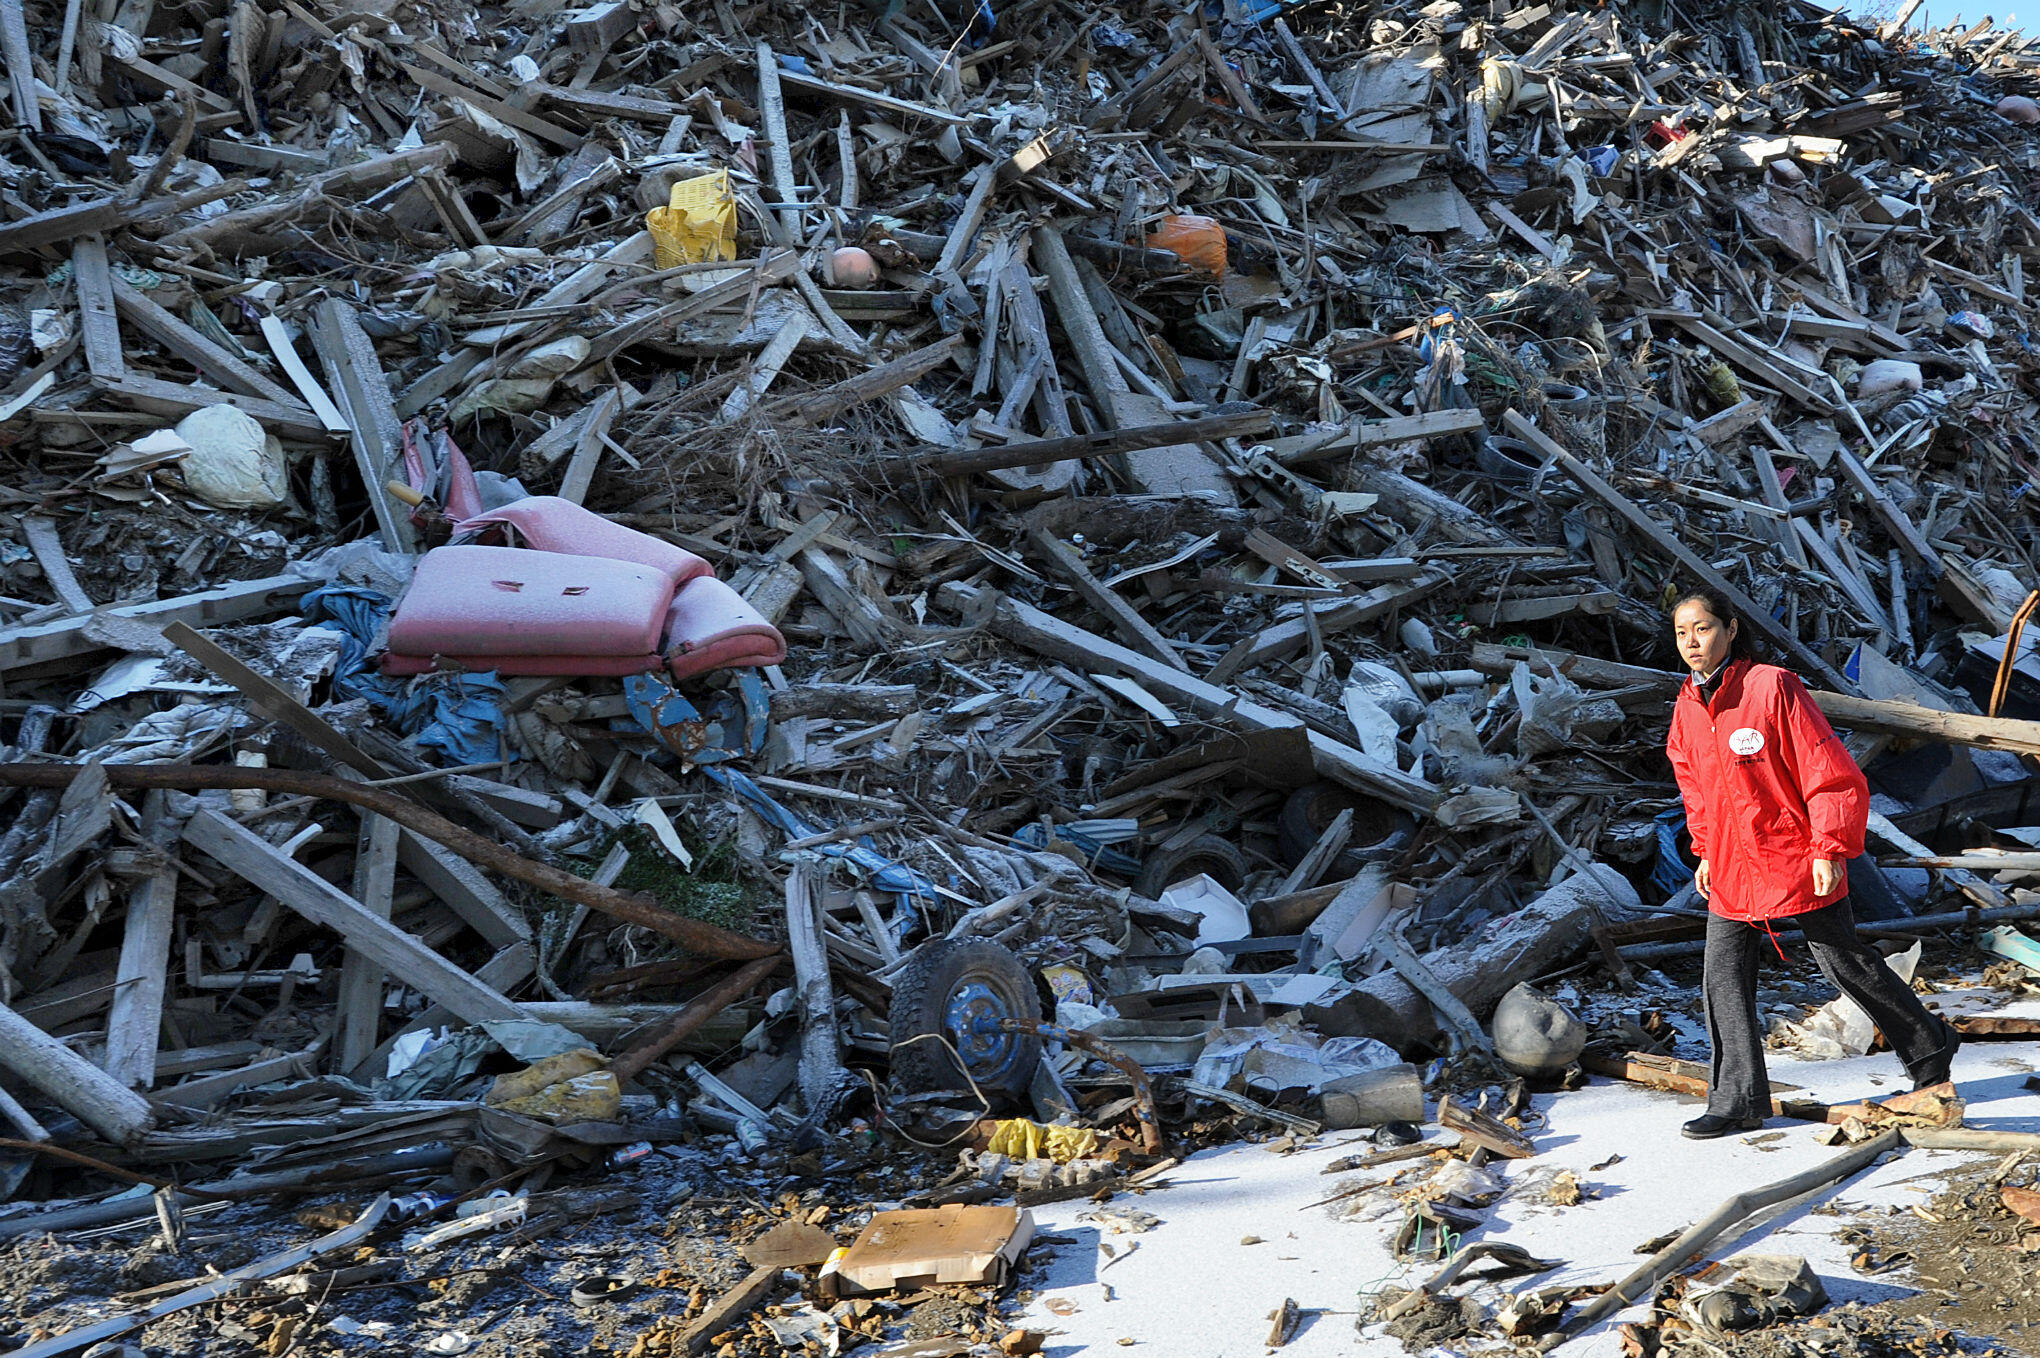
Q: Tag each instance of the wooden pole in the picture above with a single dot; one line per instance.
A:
(1703, 1233)
(699, 1010)
(97, 1099)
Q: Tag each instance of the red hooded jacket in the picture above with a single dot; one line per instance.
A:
(1768, 788)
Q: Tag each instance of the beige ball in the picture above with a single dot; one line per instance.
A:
(852, 267)
(2019, 108)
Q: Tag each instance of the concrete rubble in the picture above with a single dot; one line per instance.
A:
(719, 680)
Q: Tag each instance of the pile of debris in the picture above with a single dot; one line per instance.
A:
(582, 577)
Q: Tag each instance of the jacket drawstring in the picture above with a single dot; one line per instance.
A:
(1772, 934)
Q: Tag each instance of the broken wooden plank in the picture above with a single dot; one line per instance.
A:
(355, 376)
(66, 637)
(588, 445)
(133, 1022)
(41, 536)
(765, 367)
(728, 1309)
(1064, 563)
(98, 324)
(212, 361)
(819, 407)
(263, 864)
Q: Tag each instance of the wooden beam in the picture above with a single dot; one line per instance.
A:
(1659, 537)
(778, 145)
(851, 94)
(930, 460)
(1064, 563)
(212, 362)
(20, 65)
(495, 108)
(462, 887)
(357, 1016)
(356, 377)
(77, 1086)
(98, 323)
(819, 407)
(72, 636)
(258, 861)
(174, 401)
(133, 1023)
(1927, 723)
(1432, 424)
(273, 701)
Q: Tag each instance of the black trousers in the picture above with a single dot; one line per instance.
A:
(1738, 1086)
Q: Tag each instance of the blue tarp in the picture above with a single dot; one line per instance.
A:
(456, 713)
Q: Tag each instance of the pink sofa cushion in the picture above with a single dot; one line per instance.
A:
(712, 627)
(576, 666)
(499, 601)
(551, 524)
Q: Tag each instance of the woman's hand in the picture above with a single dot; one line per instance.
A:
(1827, 876)
(1700, 879)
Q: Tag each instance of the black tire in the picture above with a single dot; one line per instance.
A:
(956, 990)
(1379, 830)
(1217, 858)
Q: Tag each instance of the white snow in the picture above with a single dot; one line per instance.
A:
(1190, 1289)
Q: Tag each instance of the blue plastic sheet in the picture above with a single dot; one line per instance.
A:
(1096, 851)
(884, 873)
(1671, 875)
(456, 714)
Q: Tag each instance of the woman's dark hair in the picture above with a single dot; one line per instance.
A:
(1743, 645)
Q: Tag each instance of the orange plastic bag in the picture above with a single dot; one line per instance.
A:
(1198, 241)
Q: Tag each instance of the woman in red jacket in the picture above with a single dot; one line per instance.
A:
(1776, 808)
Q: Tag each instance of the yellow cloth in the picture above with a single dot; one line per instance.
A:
(1024, 1140)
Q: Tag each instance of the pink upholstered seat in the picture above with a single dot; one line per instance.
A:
(471, 602)
(710, 626)
(551, 524)
(583, 596)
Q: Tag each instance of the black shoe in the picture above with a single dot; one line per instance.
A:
(1710, 1125)
(1938, 1068)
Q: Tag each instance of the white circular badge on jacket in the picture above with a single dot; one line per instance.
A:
(1746, 740)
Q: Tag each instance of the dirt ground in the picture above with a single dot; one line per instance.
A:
(676, 1223)
(1976, 1266)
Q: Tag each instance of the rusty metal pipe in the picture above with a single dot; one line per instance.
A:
(1143, 1095)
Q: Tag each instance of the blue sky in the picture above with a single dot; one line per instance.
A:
(1946, 13)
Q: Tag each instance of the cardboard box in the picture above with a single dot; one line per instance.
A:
(900, 1251)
